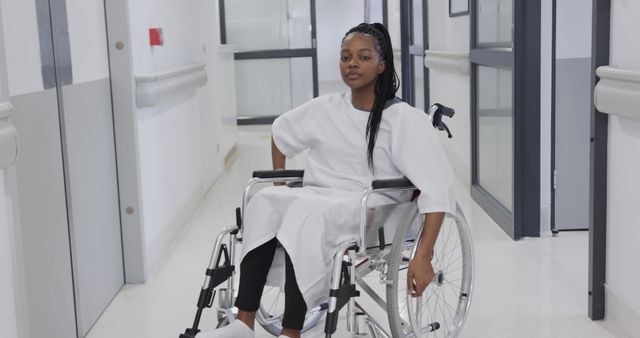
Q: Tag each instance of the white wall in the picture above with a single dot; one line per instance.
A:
(452, 35)
(623, 225)
(177, 141)
(8, 318)
(8, 310)
(23, 49)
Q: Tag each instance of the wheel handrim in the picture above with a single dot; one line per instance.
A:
(446, 300)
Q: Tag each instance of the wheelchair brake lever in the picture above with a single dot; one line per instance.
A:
(444, 126)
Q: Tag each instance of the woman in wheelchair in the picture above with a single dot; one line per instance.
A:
(352, 138)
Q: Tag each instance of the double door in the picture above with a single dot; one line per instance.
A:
(276, 57)
(68, 240)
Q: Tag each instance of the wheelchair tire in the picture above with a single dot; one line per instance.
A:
(271, 310)
(447, 299)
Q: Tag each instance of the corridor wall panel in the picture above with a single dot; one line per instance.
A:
(8, 318)
(43, 217)
(179, 147)
(623, 225)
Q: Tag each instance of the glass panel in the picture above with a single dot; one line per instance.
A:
(495, 133)
(418, 81)
(376, 10)
(268, 87)
(263, 25)
(495, 19)
(417, 23)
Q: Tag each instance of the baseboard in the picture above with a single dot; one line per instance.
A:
(620, 318)
(158, 252)
(230, 157)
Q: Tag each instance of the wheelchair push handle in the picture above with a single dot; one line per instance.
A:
(436, 111)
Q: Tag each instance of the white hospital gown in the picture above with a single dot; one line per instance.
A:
(311, 221)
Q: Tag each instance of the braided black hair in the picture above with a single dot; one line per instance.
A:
(386, 85)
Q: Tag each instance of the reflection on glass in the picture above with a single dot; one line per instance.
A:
(417, 22)
(418, 81)
(263, 25)
(495, 133)
(268, 87)
(494, 23)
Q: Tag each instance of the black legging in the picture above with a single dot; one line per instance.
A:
(253, 276)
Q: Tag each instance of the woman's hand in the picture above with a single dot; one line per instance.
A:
(419, 275)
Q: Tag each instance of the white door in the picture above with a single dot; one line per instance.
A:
(59, 83)
(572, 115)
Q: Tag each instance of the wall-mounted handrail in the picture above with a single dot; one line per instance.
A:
(8, 137)
(618, 92)
(452, 62)
(157, 88)
(170, 73)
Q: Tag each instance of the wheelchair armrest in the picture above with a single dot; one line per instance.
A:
(402, 182)
(277, 173)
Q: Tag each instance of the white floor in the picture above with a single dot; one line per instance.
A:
(530, 288)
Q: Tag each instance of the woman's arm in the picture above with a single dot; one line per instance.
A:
(420, 272)
(277, 157)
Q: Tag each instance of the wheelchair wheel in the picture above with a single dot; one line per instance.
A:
(271, 310)
(446, 300)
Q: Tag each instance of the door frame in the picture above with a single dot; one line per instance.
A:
(600, 46)
(524, 60)
(117, 19)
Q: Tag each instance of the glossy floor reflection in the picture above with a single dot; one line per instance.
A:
(530, 288)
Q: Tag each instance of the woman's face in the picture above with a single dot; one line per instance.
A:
(360, 61)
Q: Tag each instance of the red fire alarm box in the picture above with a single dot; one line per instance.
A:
(155, 37)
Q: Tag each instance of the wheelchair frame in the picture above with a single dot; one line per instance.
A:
(345, 275)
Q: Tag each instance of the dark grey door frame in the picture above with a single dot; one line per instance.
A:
(600, 44)
(405, 56)
(385, 13)
(275, 54)
(410, 48)
(524, 60)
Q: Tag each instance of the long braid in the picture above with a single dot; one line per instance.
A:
(386, 85)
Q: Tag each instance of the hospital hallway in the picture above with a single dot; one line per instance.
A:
(536, 287)
(129, 130)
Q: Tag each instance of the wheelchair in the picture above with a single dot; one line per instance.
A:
(388, 239)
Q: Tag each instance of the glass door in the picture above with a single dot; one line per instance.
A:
(70, 239)
(276, 57)
(505, 112)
